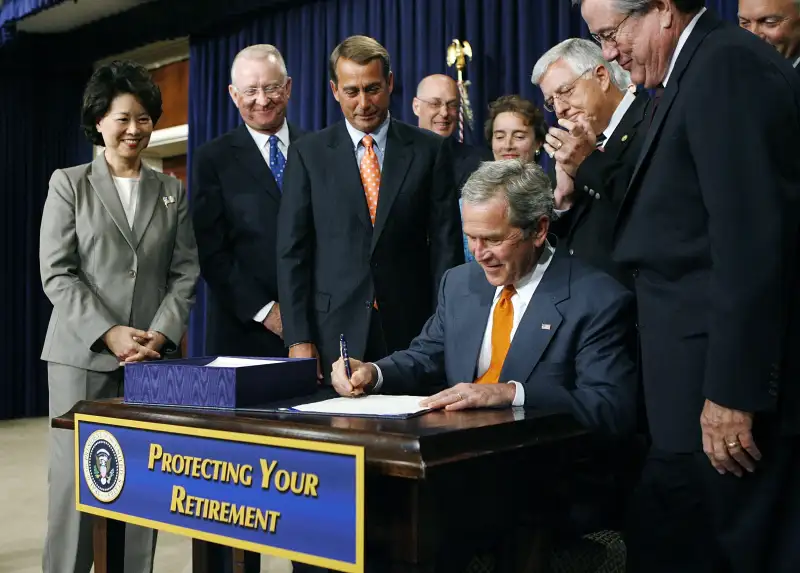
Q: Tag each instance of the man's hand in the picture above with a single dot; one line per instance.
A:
(273, 322)
(463, 396)
(564, 191)
(365, 376)
(155, 342)
(571, 145)
(126, 342)
(306, 350)
(727, 439)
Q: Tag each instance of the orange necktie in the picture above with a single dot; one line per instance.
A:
(502, 323)
(370, 176)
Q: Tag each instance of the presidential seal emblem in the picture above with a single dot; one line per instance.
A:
(103, 466)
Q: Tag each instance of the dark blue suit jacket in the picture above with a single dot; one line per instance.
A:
(572, 350)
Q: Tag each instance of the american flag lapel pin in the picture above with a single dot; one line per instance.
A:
(545, 326)
(168, 200)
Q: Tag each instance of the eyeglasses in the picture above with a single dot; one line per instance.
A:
(436, 104)
(610, 38)
(271, 91)
(563, 93)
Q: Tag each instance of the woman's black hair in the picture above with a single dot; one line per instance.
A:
(111, 80)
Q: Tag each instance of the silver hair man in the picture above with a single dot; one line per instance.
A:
(525, 187)
(259, 52)
(581, 55)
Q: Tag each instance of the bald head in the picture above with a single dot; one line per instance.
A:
(436, 104)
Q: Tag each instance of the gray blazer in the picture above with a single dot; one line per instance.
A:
(99, 273)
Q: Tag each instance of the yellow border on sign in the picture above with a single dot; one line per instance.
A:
(291, 443)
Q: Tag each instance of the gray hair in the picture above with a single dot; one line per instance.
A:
(640, 6)
(582, 56)
(524, 186)
(259, 52)
(625, 6)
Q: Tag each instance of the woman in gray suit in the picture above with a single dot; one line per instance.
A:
(118, 261)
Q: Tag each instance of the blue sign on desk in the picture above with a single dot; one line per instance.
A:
(296, 499)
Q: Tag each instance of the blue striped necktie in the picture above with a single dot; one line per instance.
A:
(277, 162)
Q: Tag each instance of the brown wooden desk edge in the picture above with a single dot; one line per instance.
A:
(396, 454)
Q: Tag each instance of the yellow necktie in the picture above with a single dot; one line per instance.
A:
(370, 176)
(502, 323)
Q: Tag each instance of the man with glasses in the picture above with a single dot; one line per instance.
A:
(595, 148)
(236, 189)
(436, 105)
(709, 227)
(777, 22)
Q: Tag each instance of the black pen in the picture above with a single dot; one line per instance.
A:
(345, 356)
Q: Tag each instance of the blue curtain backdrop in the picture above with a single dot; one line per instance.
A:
(507, 37)
(39, 132)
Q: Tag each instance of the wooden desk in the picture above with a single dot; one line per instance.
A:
(437, 486)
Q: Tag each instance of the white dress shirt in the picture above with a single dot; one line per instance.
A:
(128, 191)
(379, 137)
(797, 61)
(263, 144)
(681, 42)
(525, 288)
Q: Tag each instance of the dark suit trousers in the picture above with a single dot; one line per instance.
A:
(686, 518)
(376, 342)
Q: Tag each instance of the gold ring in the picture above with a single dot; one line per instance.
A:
(732, 445)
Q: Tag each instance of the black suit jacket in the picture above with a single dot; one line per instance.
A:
(710, 227)
(466, 159)
(332, 264)
(235, 203)
(586, 230)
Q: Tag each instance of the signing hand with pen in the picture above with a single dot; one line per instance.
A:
(364, 377)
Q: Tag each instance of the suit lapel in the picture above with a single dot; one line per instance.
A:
(149, 194)
(345, 174)
(103, 185)
(477, 305)
(396, 160)
(539, 323)
(252, 160)
(623, 134)
(704, 26)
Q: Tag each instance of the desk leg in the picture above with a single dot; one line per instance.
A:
(207, 557)
(213, 558)
(109, 545)
(246, 561)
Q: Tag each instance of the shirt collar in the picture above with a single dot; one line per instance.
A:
(526, 286)
(618, 114)
(262, 139)
(797, 61)
(681, 43)
(379, 135)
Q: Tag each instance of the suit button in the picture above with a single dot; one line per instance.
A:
(132, 274)
(571, 252)
(368, 304)
(585, 187)
(596, 195)
(773, 392)
(635, 273)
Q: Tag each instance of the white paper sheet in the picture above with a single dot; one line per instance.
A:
(373, 405)
(235, 362)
